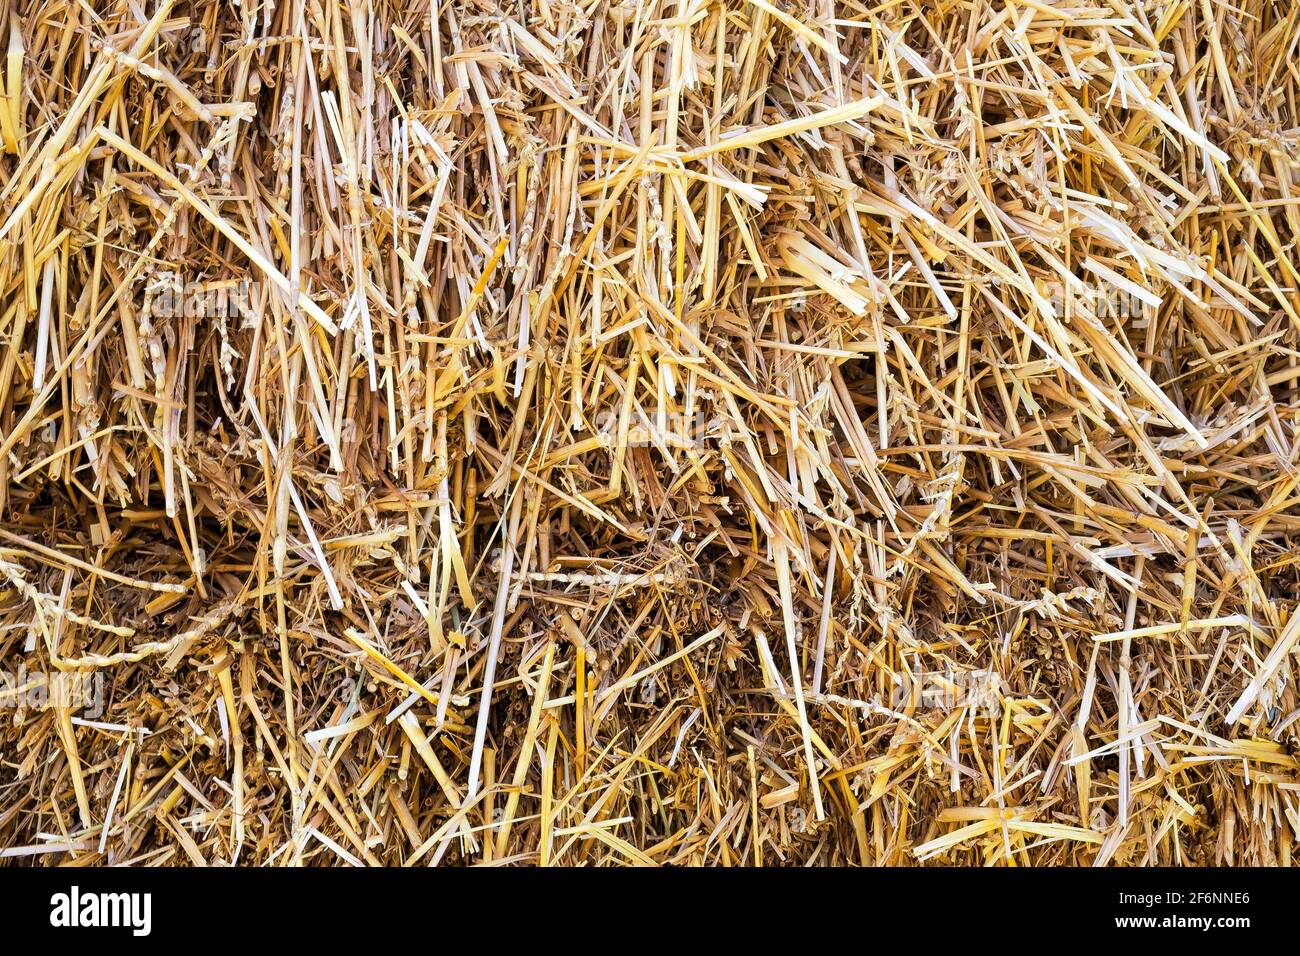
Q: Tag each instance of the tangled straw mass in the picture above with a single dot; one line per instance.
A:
(630, 432)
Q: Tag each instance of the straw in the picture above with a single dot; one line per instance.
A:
(649, 432)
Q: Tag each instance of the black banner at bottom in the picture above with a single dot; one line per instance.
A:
(317, 907)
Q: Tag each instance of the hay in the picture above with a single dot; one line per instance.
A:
(604, 433)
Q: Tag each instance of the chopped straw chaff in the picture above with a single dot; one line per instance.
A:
(640, 432)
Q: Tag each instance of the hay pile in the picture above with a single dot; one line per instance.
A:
(661, 431)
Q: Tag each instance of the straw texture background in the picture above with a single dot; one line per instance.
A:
(697, 432)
